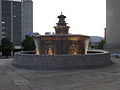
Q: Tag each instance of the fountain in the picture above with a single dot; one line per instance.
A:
(61, 51)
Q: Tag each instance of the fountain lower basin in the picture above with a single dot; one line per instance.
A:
(94, 59)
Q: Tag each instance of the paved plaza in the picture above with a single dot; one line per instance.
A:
(107, 78)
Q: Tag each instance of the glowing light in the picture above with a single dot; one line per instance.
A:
(37, 52)
(74, 49)
(50, 51)
(74, 38)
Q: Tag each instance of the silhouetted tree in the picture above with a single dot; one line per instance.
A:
(28, 43)
(6, 47)
(101, 44)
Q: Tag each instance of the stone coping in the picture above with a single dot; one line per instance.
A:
(90, 52)
(62, 35)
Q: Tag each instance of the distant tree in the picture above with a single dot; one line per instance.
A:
(101, 44)
(6, 47)
(28, 43)
(90, 45)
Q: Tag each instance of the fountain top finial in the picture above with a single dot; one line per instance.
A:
(61, 21)
(61, 27)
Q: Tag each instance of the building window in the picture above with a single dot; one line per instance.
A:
(3, 27)
(14, 16)
(3, 22)
(14, 6)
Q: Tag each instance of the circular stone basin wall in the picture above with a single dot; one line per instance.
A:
(91, 60)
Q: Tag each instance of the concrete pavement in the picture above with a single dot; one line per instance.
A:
(107, 78)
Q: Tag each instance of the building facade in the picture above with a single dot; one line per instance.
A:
(113, 25)
(0, 22)
(17, 19)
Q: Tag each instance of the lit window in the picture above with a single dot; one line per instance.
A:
(3, 33)
(3, 27)
(14, 16)
(3, 22)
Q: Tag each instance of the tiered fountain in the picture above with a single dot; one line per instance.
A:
(61, 51)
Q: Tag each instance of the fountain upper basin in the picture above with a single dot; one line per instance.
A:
(61, 44)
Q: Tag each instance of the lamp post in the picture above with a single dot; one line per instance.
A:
(11, 20)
